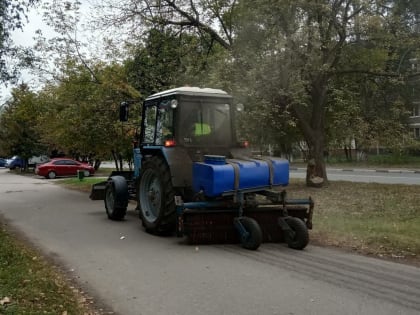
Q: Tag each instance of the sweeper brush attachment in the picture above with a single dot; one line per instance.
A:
(247, 223)
(240, 205)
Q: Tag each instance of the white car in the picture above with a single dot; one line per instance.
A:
(33, 161)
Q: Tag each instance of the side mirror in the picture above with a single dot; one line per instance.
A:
(124, 111)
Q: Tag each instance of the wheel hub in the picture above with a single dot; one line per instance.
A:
(154, 197)
(151, 196)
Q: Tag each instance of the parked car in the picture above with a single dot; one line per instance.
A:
(14, 162)
(17, 162)
(2, 162)
(35, 160)
(63, 167)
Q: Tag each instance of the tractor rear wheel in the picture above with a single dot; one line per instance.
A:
(254, 239)
(156, 197)
(300, 235)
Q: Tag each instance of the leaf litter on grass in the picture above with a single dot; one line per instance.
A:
(377, 219)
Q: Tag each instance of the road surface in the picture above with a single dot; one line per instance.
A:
(391, 176)
(134, 273)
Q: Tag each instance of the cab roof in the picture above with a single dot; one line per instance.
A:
(192, 91)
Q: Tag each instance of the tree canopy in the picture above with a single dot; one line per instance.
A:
(316, 74)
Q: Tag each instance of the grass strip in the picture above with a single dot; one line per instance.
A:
(378, 219)
(29, 285)
(81, 185)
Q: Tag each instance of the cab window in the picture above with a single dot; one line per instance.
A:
(150, 124)
(206, 123)
(158, 125)
(164, 129)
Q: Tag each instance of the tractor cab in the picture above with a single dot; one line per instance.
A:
(194, 120)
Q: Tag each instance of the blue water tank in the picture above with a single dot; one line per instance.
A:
(216, 175)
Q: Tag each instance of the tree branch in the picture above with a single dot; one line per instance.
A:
(222, 23)
(191, 21)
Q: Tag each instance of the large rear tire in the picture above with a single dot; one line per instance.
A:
(156, 197)
(300, 237)
(116, 198)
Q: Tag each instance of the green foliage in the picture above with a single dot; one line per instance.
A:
(168, 59)
(324, 72)
(18, 129)
(339, 72)
(79, 116)
(83, 114)
(394, 158)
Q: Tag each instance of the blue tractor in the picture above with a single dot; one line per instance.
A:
(193, 178)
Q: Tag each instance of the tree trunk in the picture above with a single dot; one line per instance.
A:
(120, 159)
(311, 121)
(25, 165)
(97, 164)
(312, 124)
(114, 155)
(316, 174)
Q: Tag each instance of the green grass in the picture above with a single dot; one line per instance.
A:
(82, 185)
(394, 159)
(104, 171)
(372, 161)
(30, 284)
(371, 218)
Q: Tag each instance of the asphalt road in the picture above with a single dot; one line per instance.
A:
(382, 176)
(133, 272)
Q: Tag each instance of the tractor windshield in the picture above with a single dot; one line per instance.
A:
(205, 123)
(158, 125)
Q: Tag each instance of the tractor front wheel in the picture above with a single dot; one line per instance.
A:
(299, 237)
(254, 237)
(116, 198)
(156, 197)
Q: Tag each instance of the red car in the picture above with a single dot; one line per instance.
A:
(63, 167)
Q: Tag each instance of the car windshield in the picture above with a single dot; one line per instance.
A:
(205, 123)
